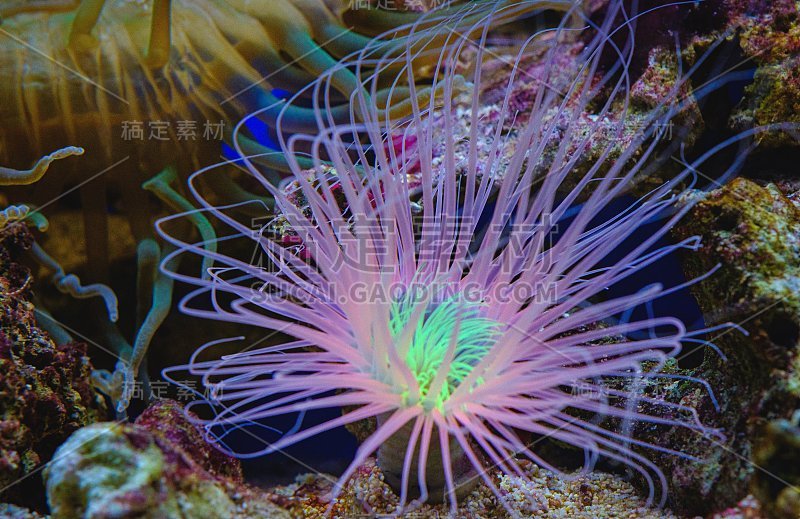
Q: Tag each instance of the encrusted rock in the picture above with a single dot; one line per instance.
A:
(751, 233)
(770, 36)
(45, 389)
(778, 455)
(159, 467)
(767, 36)
(168, 418)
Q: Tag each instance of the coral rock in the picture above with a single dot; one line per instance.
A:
(769, 35)
(45, 389)
(168, 418)
(159, 467)
(778, 453)
(752, 233)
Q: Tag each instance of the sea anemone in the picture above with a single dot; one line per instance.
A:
(455, 293)
(182, 72)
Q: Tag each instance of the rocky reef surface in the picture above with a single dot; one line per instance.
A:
(769, 37)
(777, 452)
(45, 388)
(159, 466)
(541, 494)
(751, 235)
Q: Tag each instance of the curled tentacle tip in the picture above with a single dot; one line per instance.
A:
(13, 213)
(23, 212)
(117, 385)
(126, 376)
(71, 284)
(39, 221)
(66, 152)
(113, 385)
(122, 406)
(10, 177)
(110, 299)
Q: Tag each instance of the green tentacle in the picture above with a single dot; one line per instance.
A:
(149, 257)
(160, 186)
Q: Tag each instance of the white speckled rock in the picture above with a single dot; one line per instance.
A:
(109, 470)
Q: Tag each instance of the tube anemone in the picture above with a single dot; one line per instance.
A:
(452, 291)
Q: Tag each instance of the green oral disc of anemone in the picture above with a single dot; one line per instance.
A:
(434, 332)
